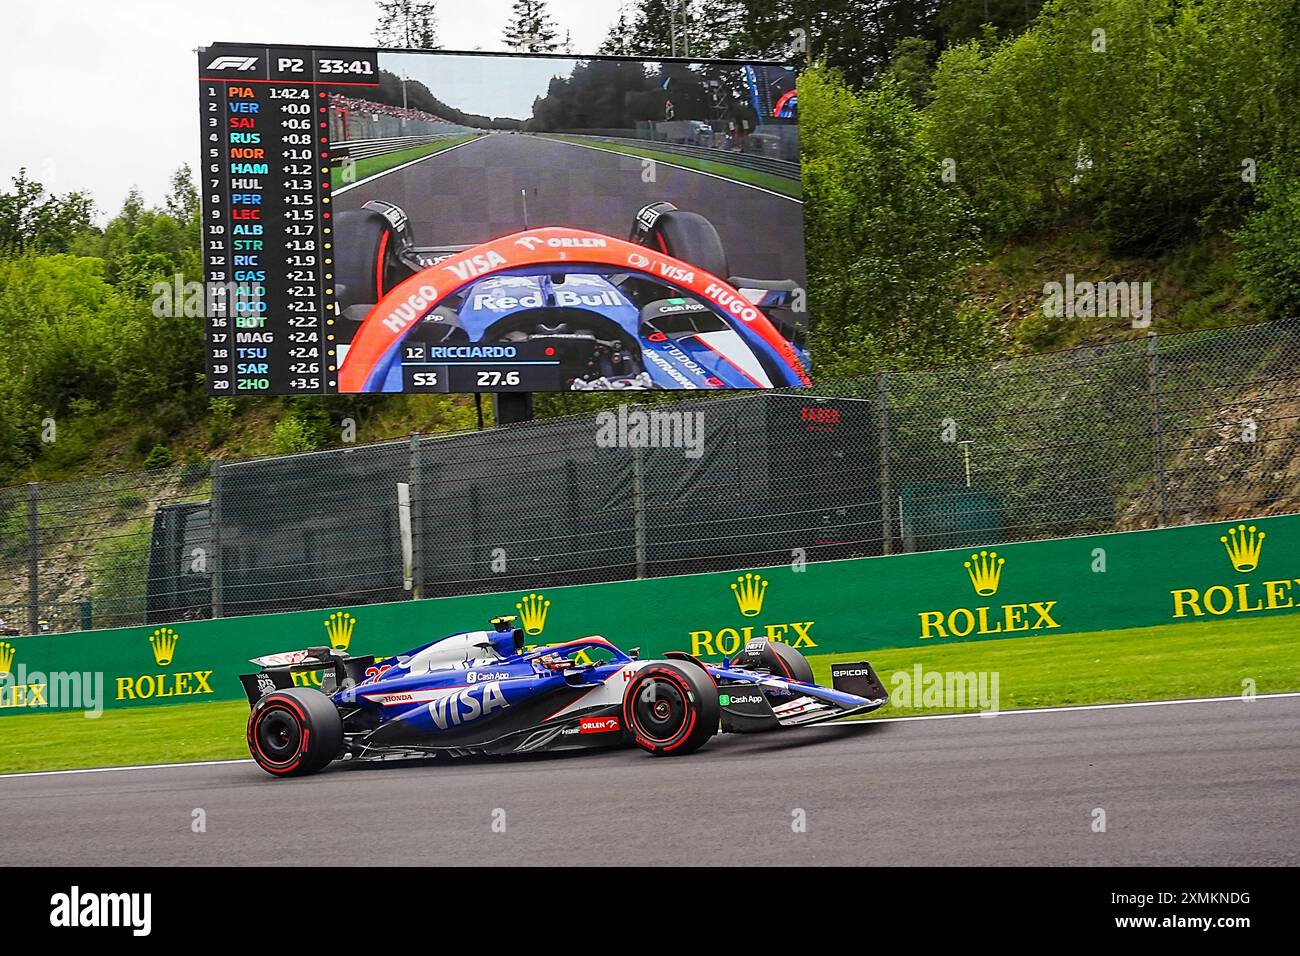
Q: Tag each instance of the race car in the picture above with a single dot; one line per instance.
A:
(572, 309)
(486, 693)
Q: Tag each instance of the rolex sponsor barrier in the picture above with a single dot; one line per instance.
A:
(1030, 590)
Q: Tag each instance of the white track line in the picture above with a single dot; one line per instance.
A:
(661, 162)
(1076, 707)
(142, 766)
(371, 179)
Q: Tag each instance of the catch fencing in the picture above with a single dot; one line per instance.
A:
(1169, 430)
(786, 169)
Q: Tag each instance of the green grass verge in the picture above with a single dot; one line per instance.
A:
(377, 164)
(1168, 662)
(1174, 661)
(119, 738)
(740, 174)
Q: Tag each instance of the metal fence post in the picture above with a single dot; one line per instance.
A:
(1157, 425)
(417, 521)
(886, 490)
(214, 526)
(638, 509)
(33, 560)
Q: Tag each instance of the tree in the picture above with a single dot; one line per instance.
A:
(32, 219)
(889, 243)
(618, 42)
(910, 68)
(531, 28)
(412, 24)
(652, 30)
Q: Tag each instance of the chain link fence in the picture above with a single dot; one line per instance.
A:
(1166, 430)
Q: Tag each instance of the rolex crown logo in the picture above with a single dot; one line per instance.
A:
(749, 590)
(985, 570)
(1243, 546)
(6, 657)
(163, 641)
(533, 609)
(339, 627)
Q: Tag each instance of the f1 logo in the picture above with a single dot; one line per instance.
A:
(233, 63)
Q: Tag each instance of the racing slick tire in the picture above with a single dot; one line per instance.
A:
(785, 661)
(671, 708)
(364, 239)
(294, 732)
(690, 237)
(777, 658)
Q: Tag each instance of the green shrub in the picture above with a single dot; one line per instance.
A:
(159, 457)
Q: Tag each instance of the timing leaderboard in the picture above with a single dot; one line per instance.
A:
(265, 177)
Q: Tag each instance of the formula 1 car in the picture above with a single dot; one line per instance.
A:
(484, 692)
(585, 310)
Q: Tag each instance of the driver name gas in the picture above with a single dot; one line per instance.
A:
(564, 298)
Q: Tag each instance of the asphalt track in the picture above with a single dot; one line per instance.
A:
(1187, 783)
(471, 194)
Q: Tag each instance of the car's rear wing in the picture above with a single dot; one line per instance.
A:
(278, 671)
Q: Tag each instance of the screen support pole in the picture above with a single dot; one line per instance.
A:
(512, 407)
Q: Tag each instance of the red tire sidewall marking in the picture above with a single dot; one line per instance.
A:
(270, 705)
(379, 264)
(629, 718)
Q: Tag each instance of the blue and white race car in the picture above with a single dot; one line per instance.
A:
(579, 310)
(484, 692)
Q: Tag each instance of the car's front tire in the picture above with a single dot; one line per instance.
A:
(671, 708)
(294, 732)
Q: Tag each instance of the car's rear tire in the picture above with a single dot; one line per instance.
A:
(671, 708)
(294, 732)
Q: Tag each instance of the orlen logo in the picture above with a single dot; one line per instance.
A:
(233, 63)
(467, 705)
(477, 265)
(562, 242)
(598, 725)
(638, 261)
(736, 305)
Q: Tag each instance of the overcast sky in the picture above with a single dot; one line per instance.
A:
(101, 96)
(479, 84)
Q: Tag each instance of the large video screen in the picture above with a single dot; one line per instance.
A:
(416, 221)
